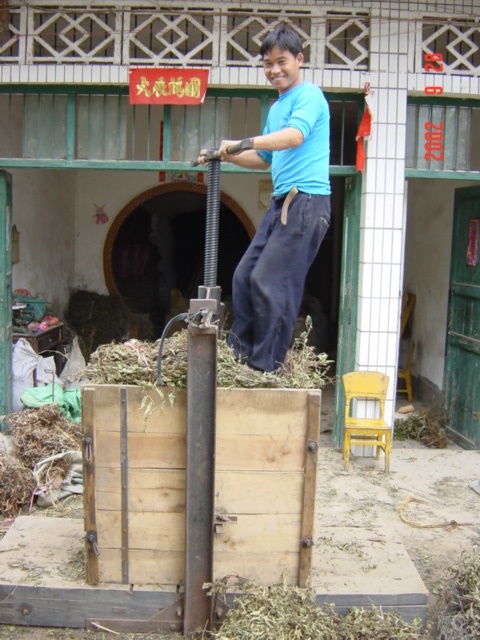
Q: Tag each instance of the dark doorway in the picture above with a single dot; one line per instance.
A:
(154, 258)
(158, 254)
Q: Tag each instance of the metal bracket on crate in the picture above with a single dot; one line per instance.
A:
(221, 519)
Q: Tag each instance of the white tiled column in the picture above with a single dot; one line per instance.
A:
(382, 227)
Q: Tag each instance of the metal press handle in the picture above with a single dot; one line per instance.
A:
(243, 145)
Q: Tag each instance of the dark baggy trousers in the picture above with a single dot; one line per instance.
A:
(269, 280)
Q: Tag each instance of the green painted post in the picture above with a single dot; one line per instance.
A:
(347, 328)
(5, 293)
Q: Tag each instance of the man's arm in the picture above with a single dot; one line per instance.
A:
(248, 159)
(284, 139)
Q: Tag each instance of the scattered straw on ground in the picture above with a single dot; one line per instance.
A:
(136, 362)
(40, 433)
(290, 613)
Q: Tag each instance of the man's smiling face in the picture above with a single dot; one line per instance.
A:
(282, 68)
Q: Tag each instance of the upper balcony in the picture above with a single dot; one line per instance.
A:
(48, 42)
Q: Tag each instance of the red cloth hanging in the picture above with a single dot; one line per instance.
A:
(364, 131)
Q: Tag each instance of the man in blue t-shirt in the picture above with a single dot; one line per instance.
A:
(269, 281)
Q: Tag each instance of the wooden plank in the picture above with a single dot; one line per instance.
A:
(262, 534)
(257, 492)
(467, 290)
(70, 607)
(124, 485)
(255, 453)
(163, 490)
(147, 530)
(310, 488)
(239, 452)
(166, 532)
(408, 598)
(161, 451)
(156, 411)
(91, 567)
(147, 567)
(262, 412)
(160, 490)
(107, 407)
(266, 569)
(148, 411)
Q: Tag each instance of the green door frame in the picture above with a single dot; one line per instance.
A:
(6, 292)
(347, 327)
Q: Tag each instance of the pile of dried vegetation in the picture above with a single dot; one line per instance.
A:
(460, 616)
(17, 485)
(427, 427)
(290, 613)
(35, 434)
(135, 362)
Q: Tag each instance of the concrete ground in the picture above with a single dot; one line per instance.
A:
(425, 503)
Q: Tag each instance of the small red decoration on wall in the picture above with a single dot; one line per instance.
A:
(100, 215)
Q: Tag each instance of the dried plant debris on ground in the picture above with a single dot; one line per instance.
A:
(427, 427)
(17, 485)
(290, 613)
(39, 433)
(135, 362)
(35, 434)
(459, 618)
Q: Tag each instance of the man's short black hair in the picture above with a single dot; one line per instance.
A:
(283, 37)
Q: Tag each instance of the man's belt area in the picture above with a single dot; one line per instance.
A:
(289, 197)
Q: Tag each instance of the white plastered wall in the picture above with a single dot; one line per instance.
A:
(43, 210)
(114, 190)
(427, 272)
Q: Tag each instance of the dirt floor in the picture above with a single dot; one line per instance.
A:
(425, 502)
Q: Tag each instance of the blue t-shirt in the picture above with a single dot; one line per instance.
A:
(307, 166)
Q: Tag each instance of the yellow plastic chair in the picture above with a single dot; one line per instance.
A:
(370, 432)
(408, 302)
(406, 374)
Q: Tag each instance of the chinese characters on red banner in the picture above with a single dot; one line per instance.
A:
(168, 86)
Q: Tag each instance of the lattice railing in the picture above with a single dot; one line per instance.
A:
(347, 41)
(179, 35)
(76, 36)
(457, 40)
(169, 37)
(245, 29)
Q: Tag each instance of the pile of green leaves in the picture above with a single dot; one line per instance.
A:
(290, 613)
(136, 362)
(427, 427)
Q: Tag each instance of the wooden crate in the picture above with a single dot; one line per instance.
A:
(134, 477)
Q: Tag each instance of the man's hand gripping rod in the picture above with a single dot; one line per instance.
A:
(244, 145)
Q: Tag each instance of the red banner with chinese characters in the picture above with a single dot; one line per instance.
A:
(473, 238)
(168, 86)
